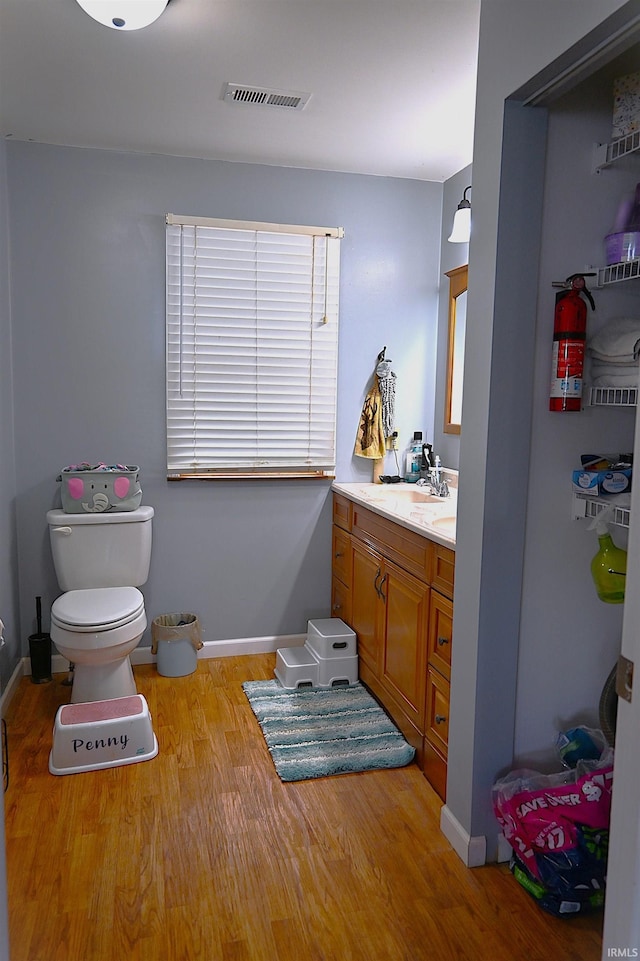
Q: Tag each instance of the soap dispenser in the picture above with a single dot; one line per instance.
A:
(609, 566)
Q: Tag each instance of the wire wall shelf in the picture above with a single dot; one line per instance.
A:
(607, 153)
(616, 273)
(613, 396)
(585, 506)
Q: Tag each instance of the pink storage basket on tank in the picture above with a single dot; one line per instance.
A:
(96, 488)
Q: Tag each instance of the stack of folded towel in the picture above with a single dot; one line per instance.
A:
(615, 351)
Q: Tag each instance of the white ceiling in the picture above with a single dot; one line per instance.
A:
(392, 81)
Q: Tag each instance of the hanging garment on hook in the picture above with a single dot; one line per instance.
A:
(370, 439)
(387, 385)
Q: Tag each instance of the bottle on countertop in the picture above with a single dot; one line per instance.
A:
(427, 461)
(413, 461)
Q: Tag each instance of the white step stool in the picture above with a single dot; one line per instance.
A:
(296, 667)
(331, 637)
(327, 659)
(92, 735)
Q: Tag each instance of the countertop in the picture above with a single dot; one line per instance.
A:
(410, 506)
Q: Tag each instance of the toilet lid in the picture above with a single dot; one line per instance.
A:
(103, 608)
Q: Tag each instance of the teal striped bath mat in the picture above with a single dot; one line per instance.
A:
(315, 732)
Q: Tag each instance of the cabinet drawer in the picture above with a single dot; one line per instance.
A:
(410, 551)
(437, 722)
(341, 555)
(342, 511)
(340, 600)
(443, 570)
(440, 633)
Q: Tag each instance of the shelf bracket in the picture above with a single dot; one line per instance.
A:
(605, 154)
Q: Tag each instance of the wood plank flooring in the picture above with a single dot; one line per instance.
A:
(202, 854)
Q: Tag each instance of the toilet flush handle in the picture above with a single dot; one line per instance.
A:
(62, 530)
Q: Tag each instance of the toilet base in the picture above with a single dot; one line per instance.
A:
(102, 734)
(102, 682)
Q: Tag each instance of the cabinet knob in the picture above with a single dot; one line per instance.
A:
(338, 554)
(336, 607)
(442, 641)
(440, 718)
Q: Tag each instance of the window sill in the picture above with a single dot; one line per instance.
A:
(283, 475)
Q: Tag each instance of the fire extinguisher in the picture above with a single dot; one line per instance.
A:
(569, 337)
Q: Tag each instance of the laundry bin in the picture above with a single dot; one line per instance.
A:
(175, 640)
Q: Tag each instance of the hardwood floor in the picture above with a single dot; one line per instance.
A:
(202, 853)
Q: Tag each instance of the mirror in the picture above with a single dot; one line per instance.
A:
(455, 354)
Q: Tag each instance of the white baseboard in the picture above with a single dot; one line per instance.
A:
(471, 850)
(12, 685)
(233, 647)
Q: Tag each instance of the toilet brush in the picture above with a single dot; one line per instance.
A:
(40, 650)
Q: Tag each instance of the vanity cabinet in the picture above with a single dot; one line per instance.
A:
(397, 587)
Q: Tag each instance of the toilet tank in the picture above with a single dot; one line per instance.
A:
(101, 550)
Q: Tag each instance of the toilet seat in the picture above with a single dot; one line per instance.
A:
(97, 609)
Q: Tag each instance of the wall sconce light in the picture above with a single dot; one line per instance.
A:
(461, 230)
(124, 14)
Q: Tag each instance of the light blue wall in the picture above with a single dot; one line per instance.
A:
(87, 279)
(8, 551)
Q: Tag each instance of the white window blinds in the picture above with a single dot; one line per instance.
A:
(252, 342)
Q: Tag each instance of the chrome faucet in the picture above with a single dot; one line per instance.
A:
(435, 481)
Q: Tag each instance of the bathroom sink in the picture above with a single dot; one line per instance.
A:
(445, 524)
(405, 495)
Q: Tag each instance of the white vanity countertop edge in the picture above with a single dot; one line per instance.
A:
(409, 515)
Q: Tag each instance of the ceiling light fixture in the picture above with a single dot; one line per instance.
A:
(124, 14)
(461, 230)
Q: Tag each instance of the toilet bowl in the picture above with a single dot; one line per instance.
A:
(97, 629)
(100, 560)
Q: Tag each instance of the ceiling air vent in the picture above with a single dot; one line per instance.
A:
(240, 93)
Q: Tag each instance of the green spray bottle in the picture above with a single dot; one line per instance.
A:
(609, 566)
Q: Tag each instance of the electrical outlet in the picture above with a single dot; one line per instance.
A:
(394, 440)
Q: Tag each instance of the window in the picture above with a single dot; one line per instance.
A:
(252, 345)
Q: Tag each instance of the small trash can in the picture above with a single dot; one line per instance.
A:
(175, 640)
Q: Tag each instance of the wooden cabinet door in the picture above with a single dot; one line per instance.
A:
(366, 573)
(404, 659)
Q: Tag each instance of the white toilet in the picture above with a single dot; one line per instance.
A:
(100, 559)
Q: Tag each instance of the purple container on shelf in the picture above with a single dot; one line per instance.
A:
(622, 246)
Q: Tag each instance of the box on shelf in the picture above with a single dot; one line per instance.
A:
(626, 105)
(599, 482)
